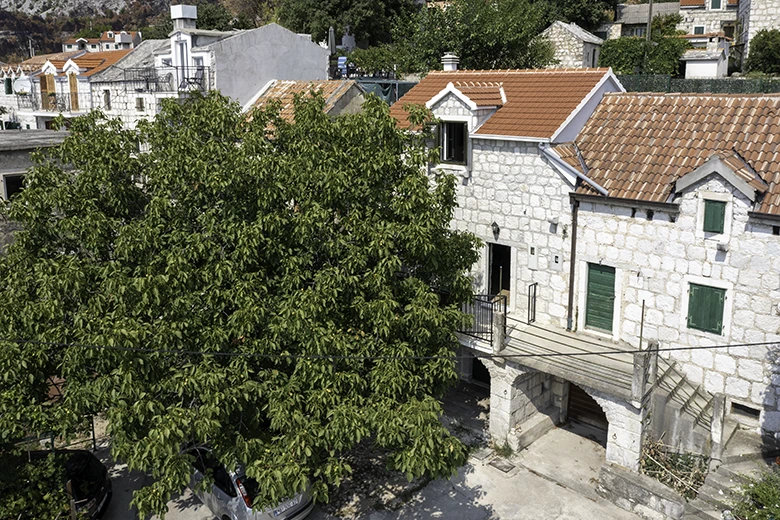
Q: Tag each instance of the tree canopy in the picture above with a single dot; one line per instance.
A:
(485, 35)
(660, 55)
(281, 291)
(764, 53)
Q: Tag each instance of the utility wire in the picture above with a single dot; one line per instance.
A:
(481, 355)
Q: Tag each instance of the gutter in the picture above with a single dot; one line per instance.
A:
(764, 216)
(572, 263)
(668, 207)
(563, 165)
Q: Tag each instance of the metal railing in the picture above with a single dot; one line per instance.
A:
(169, 79)
(483, 308)
(50, 103)
(532, 302)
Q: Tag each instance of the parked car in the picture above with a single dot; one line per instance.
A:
(231, 495)
(89, 479)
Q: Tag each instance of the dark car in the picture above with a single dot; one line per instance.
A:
(90, 484)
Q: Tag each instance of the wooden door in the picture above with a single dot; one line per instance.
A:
(600, 304)
(73, 83)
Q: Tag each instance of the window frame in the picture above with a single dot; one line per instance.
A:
(698, 27)
(695, 304)
(107, 99)
(714, 216)
(445, 142)
(720, 5)
(703, 197)
(140, 104)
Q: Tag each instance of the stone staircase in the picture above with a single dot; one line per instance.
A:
(682, 411)
(746, 455)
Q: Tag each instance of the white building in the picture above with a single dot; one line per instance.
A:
(107, 41)
(237, 63)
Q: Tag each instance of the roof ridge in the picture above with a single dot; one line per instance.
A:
(557, 70)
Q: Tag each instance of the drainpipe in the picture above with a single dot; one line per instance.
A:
(572, 263)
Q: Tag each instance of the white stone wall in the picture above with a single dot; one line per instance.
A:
(624, 436)
(513, 185)
(656, 260)
(761, 14)
(711, 20)
(569, 50)
(123, 102)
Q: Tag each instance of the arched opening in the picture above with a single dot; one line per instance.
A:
(584, 411)
(479, 372)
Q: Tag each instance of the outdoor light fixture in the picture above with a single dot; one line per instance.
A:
(496, 230)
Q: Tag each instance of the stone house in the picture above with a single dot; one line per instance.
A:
(237, 63)
(684, 240)
(107, 41)
(709, 16)
(497, 133)
(753, 16)
(631, 19)
(574, 46)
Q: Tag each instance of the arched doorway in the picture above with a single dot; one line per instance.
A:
(479, 372)
(584, 409)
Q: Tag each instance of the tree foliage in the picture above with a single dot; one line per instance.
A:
(660, 55)
(370, 21)
(222, 266)
(757, 498)
(30, 490)
(485, 35)
(764, 55)
(588, 14)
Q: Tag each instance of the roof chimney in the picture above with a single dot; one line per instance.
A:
(450, 61)
(184, 16)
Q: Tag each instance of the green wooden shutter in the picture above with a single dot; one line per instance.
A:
(601, 297)
(714, 216)
(705, 308)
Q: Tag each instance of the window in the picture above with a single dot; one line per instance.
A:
(715, 4)
(166, 62)
(705, 308)
(107, 99)
(139, 104)
(453, 142)
(9, 89)
(714, 216)
(699, 29)
(600, 303)
(197, 61)
(13, 185)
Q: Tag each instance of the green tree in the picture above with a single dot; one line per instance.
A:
(660, 55)
(270, 288)
(370, 21)
(764, 54)
(758, 498)
(588, 14)
(33, 489)
(94, 31)
(485, 35)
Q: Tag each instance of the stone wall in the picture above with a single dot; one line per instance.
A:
(657, 255)
(764, 14)
(624, 436)
(569, 50)
(711, 20)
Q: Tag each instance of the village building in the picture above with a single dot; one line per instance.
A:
(340, 96)
(107, 41)
(574, 46)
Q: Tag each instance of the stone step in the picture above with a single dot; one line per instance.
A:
(746, 445)
(699, 509)
(530, 430)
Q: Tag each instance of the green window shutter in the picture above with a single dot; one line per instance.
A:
(600, 303)
(705, 308)
(714, 216)
(8, 87)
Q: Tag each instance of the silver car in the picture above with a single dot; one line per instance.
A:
(231, 495)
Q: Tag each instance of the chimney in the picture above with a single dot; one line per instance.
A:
(450, 61)
(184, 16)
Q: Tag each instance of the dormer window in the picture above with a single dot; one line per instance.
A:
(714, 216)
(715, 4)
(453, 142)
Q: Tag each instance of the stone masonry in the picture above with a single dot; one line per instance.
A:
(571, 51)
(712, 20)
(756, 15)
(656, 256)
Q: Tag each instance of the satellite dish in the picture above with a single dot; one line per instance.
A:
(22, 84)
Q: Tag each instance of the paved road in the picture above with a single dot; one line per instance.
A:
(552, 480)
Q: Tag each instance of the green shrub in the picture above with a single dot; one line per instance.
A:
(764, 54)
(758, 498)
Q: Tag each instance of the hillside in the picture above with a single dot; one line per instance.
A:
(47, 8)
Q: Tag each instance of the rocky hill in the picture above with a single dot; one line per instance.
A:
(47, 8)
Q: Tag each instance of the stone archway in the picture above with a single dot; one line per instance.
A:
(624, 435)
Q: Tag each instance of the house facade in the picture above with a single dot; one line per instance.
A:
(688, 233)
(237, 63)
(496, 134)
(709, 16)
(107, 41)
(574, 46)
(755, 15)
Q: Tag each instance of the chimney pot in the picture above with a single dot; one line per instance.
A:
(184, 16)
(450, 61)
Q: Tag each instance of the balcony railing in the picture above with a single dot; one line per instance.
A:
(49, 103)
(483, 308)
(169, 79)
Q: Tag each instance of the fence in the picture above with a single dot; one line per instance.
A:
(666, 83)
(483, 307)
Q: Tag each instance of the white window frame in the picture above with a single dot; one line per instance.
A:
(462, 168)
(728, 305)
(582, 301)
(722, 4)
(703, 29)
(727, 217)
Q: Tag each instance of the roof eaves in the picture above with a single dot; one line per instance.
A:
(565, 168)
(451, 89)
(608, 76)
(715, 164)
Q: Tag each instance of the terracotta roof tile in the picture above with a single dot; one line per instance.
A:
(285, 92)
(637, 145)
(537, 101)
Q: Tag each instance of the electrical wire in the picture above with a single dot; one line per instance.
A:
(481, 355)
